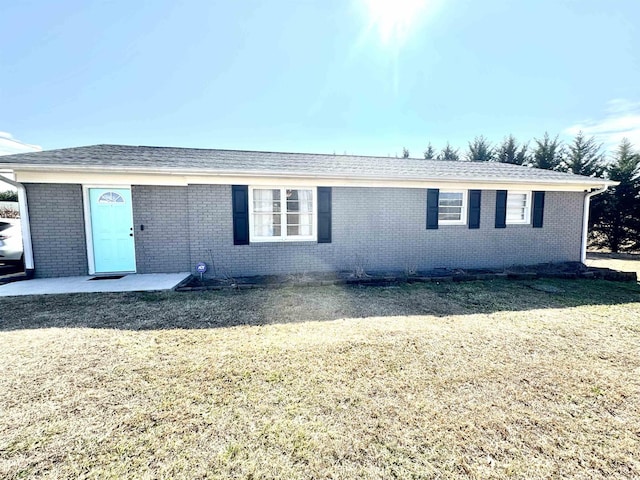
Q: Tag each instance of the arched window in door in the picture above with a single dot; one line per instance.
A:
(111, 198)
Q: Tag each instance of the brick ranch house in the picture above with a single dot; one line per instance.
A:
(108, 209)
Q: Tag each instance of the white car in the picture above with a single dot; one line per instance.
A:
(10, 241)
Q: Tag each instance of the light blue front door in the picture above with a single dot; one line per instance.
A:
(112, 230)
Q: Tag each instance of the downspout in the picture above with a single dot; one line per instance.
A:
(585, 221)
(27, 246)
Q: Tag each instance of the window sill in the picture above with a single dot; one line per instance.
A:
(293, 243)
(451, 224)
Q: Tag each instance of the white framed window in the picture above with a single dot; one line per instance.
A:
(452, 207)
(282, 214)
(518, 207)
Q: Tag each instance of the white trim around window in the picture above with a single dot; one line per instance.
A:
(518, 207)
(274, 216)
(452, 207)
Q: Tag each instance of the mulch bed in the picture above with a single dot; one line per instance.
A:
(567, 270)
(11, 273)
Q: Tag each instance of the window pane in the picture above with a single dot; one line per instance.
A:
(266, 200)
(456, 210)
(516, 207)
(111, 198)
(268, 231)
(450, 194)
(299, 224)
(449, 216)
(298, 230)
(515, 215)
(306, 230)
(517, 199)
(300, 201)
(450, 199)
(292, 201)
(266, 225)
(299, 219)
(450, 206)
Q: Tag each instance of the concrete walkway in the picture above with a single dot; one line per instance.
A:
(128, 283)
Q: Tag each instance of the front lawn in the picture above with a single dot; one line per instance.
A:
(474, 380)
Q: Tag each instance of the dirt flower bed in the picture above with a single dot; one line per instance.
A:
(566, 270)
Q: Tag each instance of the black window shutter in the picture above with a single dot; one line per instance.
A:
(433, 195)
(475, 198)
(501, 209)
(538, 209)
(324, 214)
(240, 201)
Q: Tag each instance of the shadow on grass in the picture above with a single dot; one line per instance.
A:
(200, 310)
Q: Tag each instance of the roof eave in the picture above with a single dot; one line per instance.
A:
(279, 174)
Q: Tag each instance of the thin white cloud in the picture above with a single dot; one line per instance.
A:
(620, 120)
(9, 145)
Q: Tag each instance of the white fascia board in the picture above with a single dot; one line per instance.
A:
(99, 177)
(182, 178)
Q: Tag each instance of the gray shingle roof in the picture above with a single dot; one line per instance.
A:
(194, 160)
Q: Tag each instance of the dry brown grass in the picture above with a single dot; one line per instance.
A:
(626, 262)
(476, 380)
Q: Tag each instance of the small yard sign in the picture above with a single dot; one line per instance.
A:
(201, 268)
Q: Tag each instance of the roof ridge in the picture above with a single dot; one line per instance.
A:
(276, 152)
(231, 150)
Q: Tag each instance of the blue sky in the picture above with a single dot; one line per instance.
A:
(316, 75)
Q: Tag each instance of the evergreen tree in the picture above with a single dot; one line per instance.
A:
(9, 196)
(547, 153)
(405, 152)
(584, 157)
(430, 153)
(480, 150)
(449, 153)
(615, 214)
(509, 152)
(523, 157)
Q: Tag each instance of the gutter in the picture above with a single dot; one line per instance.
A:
(585, 219)
(25, 225)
